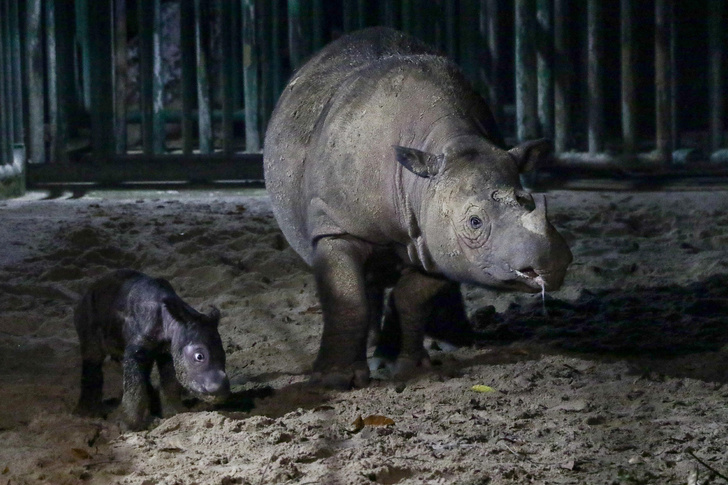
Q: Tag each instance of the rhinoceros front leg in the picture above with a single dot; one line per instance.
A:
(339, 270)
(414, 300)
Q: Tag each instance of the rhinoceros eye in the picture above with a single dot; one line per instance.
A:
(476, 222)
(199, 357)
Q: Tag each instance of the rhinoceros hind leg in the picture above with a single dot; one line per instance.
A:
(414, 298)
(339, 270)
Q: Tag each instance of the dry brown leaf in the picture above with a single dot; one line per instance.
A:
(375, 420)
(80, 453)
(358, 425)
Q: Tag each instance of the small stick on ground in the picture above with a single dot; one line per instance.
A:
(719, 474)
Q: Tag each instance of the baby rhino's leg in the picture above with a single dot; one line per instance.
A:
(139, 396)
(171, 388)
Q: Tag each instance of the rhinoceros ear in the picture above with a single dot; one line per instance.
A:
(418, 162)
(532, 154)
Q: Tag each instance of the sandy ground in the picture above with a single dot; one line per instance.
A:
(622, 383)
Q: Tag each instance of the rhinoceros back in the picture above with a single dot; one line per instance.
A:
(301, 106)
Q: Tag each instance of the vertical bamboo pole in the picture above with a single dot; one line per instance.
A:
(629, 98)
(203, 83)
(562, 75)
(526, 82)
(36, 110)
(120, 74)
(250, 73)
(225, 13)
(715, 76)
(544, 15)
(663, 115)
(299, 31)
(594, 77)
(187, 50)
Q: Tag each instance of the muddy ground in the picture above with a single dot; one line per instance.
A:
(623, 382)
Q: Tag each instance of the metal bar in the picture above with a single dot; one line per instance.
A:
(562, 77)
(388, 14)
(318, 19)
(16, 72)
(101, 82)
(7, 119)
(265, 91)
(544, 19)
(250, 73)
(715, 76)
(663, 115)
(54, 58)
(51, 77)
(225, 11)
(471, 46)
(490, 69)
(147, 168)
(629, 97)
(175, 116)
(6, 135)
(594, 77)
(82, 38)
(35, 93)
(189, 61)
(276, 57)
(299, 31)
(120, 74)
(526, 82)
(158, 132)
(451, 29)
(146, 72)
(407, 16)
(203, 84)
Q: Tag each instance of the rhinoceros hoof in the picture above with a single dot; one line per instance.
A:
(407, 367)
(356, 375)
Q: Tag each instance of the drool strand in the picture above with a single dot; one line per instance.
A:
(543, 299)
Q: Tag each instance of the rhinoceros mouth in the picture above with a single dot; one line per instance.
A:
(531, 277)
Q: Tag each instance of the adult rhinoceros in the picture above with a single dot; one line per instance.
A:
(385, 168)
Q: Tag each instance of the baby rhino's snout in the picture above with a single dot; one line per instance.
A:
(216, 384)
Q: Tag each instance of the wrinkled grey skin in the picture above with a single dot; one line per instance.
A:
(140, 320)
(385, 168)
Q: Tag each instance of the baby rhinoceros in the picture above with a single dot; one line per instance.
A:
(141, 320)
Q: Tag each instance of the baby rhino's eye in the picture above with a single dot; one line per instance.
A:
(199, 357)
(476, 222)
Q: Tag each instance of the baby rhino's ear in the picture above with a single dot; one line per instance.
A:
(213, 316)
(181, 311)
(175, 308)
